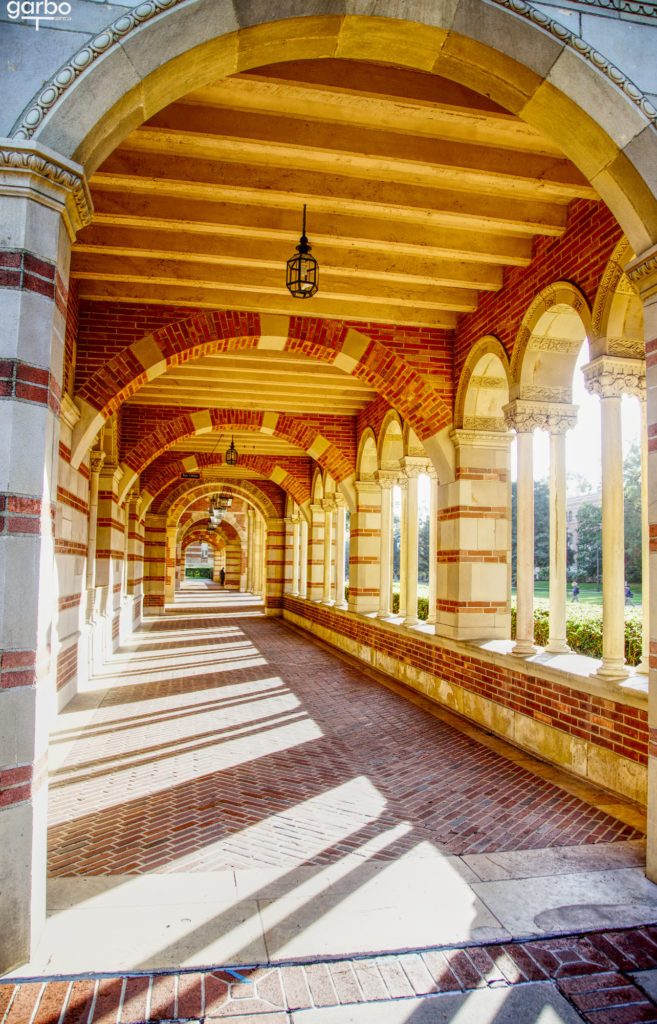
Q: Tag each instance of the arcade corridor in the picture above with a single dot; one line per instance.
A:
(228, 792)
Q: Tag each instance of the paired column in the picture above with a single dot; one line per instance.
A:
(402, 483)
(340, 537)
(409, 538)
(433, 545)
(558, 422)
(610, 377)
(303, 574)
(386, 481)
(643, 668)
(329, 507)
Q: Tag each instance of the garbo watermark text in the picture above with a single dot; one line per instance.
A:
(39, 10)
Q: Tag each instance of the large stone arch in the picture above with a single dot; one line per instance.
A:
(181, 500)
(483, 387)
(212, 332)
(189, 424)
(505, 49)
(548, 342)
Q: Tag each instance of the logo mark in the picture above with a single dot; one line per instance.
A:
(39, 10)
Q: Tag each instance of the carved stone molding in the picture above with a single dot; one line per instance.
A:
(525, 417)
(613, 376)
(535, 393)
(566, 346)
(132, 20)
(38, 173)
(495, 383)
(490, 423)
(413, 466)
(642, 272)
(386, 478)
(628, 348)
(481, 438)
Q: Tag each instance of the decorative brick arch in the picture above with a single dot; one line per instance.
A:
(156, 481)
(483, 387)
(212, 332)
(295, 431)
(548, 342)
(180, 501)
(617, 318)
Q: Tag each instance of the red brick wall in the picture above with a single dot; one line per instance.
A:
(579, 256)
(608, 724)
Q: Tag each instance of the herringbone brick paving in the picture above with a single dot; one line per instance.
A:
(229, 741)
(592, 971)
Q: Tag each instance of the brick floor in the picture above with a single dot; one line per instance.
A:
(591, 971)
(230, 741)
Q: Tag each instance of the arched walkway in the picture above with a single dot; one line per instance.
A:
(245, 794)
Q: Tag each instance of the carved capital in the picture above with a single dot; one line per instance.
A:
(329, 504)
(525, 417)
(613, 376)
(642, 272)
(414, 466)
(385, 478)
(96, 460)
(45, 177)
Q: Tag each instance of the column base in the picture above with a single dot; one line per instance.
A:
(558, 647)
(384, 615)
(524, 649)
(410, 621)
(643, 668)
(612, 670)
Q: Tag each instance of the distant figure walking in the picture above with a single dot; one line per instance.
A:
(628, 594)
(575, 593)
(222, 576)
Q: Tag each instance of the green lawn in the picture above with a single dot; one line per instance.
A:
(588, 593)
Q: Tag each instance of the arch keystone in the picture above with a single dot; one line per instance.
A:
(353, 349)
(318, 447)
(274, 331)
(149, 354)
(190, 463)
(202, 421)
(269, 422)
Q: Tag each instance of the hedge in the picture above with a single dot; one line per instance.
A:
(584, 630)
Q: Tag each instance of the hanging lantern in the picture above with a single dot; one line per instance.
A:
(302, 269)
(232, 454)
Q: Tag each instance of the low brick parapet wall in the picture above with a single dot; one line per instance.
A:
(593, 728)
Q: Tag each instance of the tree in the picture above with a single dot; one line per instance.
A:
(632, 513)
(589, 542)
(541, 525)
(423, 548)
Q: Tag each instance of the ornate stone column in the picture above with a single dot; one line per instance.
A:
(96, 460)
(433, 545)
(303, 576)
(610, 377)
(340, 533)
(402, 483)
(44, 201)
(386, 481)
(295, 555)
(412, 468)
(316, 553)
(558, 422)
(521, 417)
(328, 504)
(642, 271)
(644, 666)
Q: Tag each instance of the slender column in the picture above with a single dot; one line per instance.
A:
(402, 482)
(303, 575)
(610, 377)
(433, 545)
(558, 535)
(643, 274)
(295, 555)
(386, 482)
(328, 505)
(340, 529)
(413, 468)
(96, 460)
(524, 424)
(644, 667)
(316, 553)
(250, 576)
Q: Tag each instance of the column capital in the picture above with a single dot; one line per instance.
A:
(642, 272)
(35, 172)
(479, 439)
(414, 465)
(386, 478)
(316, 508)
(329, 504)
(613, 376)
(525, 417)
(96, 460)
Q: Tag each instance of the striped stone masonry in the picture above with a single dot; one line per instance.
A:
(364, 548)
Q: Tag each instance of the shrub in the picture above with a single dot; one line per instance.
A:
(584, 630)
(198, 573)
